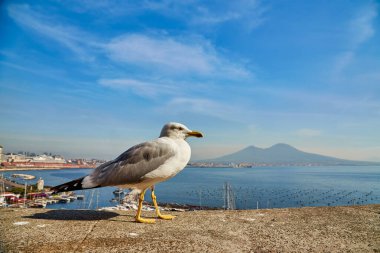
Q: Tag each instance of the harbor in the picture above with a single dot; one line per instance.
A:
(44, 198)
(31, 196)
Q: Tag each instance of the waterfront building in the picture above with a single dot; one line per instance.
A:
(48, 159)
(36, 159)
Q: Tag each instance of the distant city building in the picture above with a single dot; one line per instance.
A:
(38, 158)
(48, 159)
(29, 160)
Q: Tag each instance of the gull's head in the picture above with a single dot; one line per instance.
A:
(178, 131)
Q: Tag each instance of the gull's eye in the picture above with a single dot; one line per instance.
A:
(180, 128)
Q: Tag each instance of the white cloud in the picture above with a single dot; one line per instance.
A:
(176, 56)
(67, 36)
(163, 52)
(362, 25)
(156, 53)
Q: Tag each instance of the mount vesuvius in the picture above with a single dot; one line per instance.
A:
(282, 154)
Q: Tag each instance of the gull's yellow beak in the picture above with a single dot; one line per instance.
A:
(195, 134)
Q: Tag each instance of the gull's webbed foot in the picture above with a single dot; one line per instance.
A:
(145, 220)
(166, 216)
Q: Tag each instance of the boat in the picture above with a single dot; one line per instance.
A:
(51, 201)
(72, 198)
(3, 202)
(38, 204)
(10, 198)
(118, 191)
(24, 176)
(64, 200)
(37, 195)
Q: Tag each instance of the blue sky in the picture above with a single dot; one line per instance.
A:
(92, 78)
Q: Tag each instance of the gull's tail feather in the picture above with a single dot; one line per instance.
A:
(70, 186)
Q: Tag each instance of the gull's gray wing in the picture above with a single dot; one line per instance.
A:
(133, 164)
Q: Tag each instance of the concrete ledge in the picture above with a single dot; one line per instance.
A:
(320, 229)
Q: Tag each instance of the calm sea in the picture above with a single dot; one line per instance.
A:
(265, 187)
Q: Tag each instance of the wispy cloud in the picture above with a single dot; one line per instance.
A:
(248, 13)
(164, 52)
(51, 73)
(181, 69)
(156, 52)
(174, 55)
(360, 29)
(67, 36)
(342, 61)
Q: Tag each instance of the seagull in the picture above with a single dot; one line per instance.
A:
(142, 166)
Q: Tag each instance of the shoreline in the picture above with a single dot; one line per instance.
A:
(38, 168)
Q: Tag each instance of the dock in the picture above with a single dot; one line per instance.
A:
(309, 229)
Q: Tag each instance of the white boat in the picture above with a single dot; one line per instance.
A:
(24, 176)
(3, 203)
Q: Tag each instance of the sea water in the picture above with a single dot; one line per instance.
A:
(251, 188)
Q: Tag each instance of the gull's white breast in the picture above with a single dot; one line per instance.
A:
(173, 165)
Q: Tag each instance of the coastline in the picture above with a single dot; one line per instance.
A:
(40, 168)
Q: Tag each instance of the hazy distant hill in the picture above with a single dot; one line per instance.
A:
(282, 153)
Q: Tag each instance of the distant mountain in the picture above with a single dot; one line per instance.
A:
(282, 154)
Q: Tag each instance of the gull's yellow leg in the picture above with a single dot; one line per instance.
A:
(138, 215)
(161, 216)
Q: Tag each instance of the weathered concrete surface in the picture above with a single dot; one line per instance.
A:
(325, 229)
